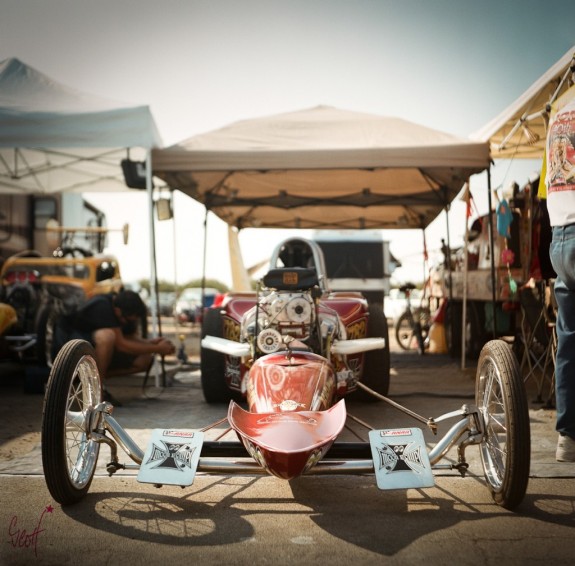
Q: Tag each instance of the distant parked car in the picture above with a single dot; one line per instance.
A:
(41, 288)
(167, 301)
(189, 307)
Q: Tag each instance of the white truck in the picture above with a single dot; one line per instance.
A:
(357, 260)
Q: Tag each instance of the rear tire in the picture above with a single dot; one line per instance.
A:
(474, 332)
(213, 364)
(69, 455)
(506, 446)
(45, 324)
(376, 364)
(453, 329)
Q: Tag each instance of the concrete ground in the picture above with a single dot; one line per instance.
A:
(261, 520)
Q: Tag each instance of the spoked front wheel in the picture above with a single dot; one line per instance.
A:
(502, 402)
(69, 455)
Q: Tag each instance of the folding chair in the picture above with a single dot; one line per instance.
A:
(539, 338)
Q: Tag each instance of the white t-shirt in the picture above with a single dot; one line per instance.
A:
(560, 179)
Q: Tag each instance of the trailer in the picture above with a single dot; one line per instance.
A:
(25, 222)
(357, 260)
(467, 280)
(48, 270)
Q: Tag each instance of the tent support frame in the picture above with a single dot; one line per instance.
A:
(492, 246)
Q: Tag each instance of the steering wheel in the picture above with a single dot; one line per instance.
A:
(72, 252)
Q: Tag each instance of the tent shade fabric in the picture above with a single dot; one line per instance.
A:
(519, 132)
(57, 139)
(363, 171)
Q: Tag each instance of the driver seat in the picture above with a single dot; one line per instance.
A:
(291, 278)
(297, 256)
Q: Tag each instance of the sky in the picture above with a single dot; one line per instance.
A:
(451, 65)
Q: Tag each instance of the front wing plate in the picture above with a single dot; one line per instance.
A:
(171, 457)
(400, 458)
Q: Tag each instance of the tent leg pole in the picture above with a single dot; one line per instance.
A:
(205, 256)
(449, 276)
(465, 273)
(153, 268)
(424, 262)
(448, 258)
(492, 246)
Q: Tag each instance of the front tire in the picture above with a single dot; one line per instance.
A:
(506, 447)
(69, 455)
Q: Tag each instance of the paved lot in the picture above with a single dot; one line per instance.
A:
(260, 520)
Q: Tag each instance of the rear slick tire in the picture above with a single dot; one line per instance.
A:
(213, 364)
(376, 365)
(69, 455)
(502, 402)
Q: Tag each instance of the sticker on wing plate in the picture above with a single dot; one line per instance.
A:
(171, 457)
(400, 458)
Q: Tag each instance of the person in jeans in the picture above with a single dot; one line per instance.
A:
(560, 182)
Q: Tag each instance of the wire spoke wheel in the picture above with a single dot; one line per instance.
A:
(506, 448)
(404, 332)
(411, 330)
(69, 454)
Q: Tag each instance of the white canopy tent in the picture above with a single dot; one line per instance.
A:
(322, 168)
(520, 131)
(55, 139)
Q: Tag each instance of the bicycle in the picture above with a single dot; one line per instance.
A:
(412, 326)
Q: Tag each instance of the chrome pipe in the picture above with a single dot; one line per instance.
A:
(342, 467)
(447, 441)
(21, 347)
(219, 466)
(123, 439)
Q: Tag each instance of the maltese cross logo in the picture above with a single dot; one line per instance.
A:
(400, 458)
(172, 456)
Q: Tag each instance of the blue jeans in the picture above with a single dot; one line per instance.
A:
(562, 253)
